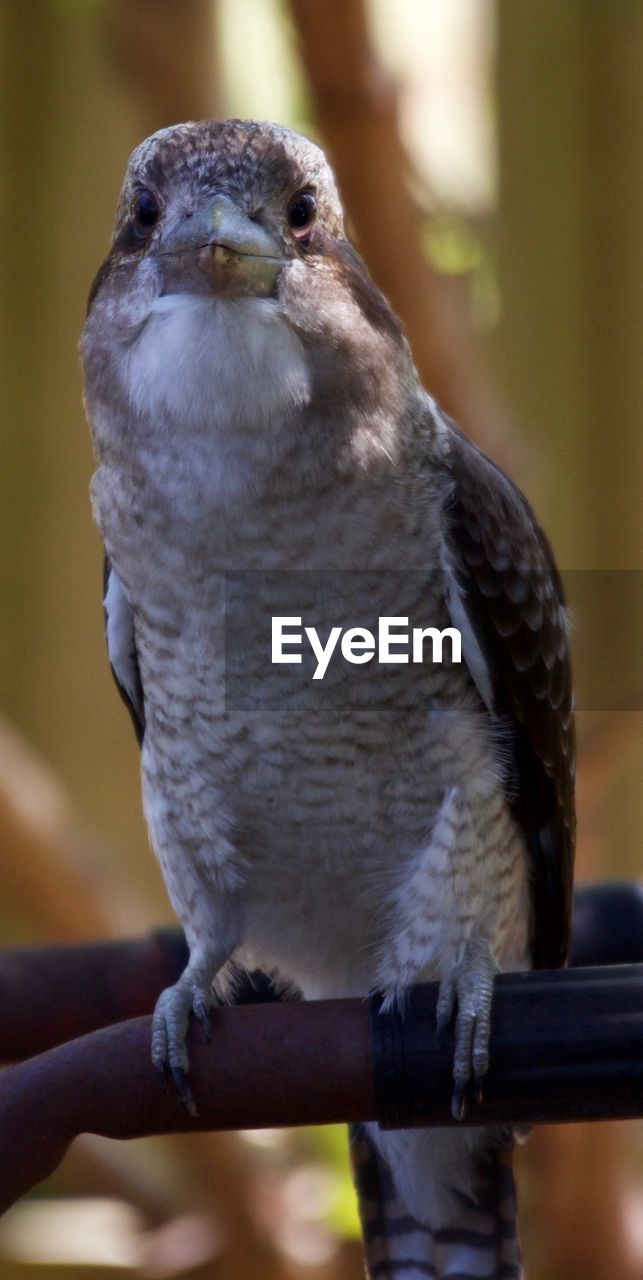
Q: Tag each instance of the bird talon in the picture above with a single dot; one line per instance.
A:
(170, 1021)
(202, 1012)
(458, 1101)
(183, 1091)
(469, 989)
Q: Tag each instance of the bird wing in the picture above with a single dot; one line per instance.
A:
(120, 636)
(507, 599)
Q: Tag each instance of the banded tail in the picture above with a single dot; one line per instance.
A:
(482, 1244)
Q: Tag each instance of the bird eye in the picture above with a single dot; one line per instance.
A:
(145, 211)
(302, 211)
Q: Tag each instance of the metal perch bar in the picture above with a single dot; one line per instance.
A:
(566, 1045)
(276, 1064)
(54, 993)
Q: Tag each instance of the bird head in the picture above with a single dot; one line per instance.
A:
(222, 206)
(230, 294)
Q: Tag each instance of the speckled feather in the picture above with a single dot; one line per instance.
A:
(514, 594)
(379, 833)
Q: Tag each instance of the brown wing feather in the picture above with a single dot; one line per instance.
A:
(513, 596)
(130, 688)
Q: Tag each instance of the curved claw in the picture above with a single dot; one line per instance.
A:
(458, 1101)
(169, 1031)
(201, 1007)
(469, 987)
(183, 1091)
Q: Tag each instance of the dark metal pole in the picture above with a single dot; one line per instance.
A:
(54, 993)
(565, 1046)
(267, 1065)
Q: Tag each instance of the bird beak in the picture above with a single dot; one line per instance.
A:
(237, 254)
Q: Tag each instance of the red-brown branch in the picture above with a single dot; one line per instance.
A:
(277, 1064)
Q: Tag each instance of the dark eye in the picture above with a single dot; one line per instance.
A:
(145, 211)
(302, 211)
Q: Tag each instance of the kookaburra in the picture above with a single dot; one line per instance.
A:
(265, 449)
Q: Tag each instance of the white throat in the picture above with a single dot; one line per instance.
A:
(216, 365)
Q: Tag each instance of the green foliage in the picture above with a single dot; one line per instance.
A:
(452, 245)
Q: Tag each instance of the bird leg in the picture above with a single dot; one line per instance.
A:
(416, 922)
(421, 920)
(192, 993)
(467, 991)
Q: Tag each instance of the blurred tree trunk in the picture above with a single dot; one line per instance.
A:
(571, 247)
(55, 223)
(570, 79)
(570, 82)
(356, 106)
(166, 54)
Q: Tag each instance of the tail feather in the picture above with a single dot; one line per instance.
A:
(479, 1244)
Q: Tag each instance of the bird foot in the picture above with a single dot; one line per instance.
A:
(468, 991)
(169, 1032)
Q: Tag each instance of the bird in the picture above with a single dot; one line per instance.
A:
(266, 450)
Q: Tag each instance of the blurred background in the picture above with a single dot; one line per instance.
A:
(490, 153)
